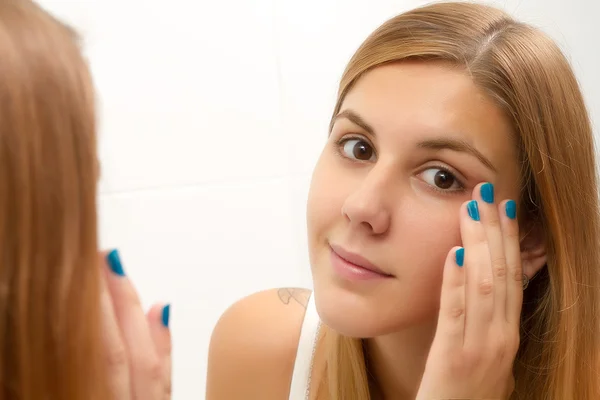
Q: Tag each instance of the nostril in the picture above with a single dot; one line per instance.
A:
(367, 225)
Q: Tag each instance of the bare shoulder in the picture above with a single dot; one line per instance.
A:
(253, 346)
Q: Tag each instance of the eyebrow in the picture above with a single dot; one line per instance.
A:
(355, 119)
(457, 145)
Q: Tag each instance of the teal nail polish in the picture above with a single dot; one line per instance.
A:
(460, 257)
(511, 209)
(487, 192)
(166, 313)
(473, 210)
(114, 262)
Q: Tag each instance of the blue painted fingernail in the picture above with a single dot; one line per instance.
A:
(487, 192)
(114, 262)
(511, 209)
(460, 257)
(166, 313)
(473, 210)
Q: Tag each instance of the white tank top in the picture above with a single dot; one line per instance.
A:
(304, 356)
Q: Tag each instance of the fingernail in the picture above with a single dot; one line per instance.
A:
(166, 313)
(487, 192)
(473, 210)
(460, 257)
(114, 262)
(511, 209)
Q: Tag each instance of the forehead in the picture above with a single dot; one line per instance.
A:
(419, 100)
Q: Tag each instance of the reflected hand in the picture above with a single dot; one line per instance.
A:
(138, 346)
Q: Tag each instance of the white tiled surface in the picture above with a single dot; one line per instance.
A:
(212, 116)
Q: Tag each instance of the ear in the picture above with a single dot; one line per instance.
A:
(533, 249)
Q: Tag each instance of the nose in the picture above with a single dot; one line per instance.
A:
(365, 208)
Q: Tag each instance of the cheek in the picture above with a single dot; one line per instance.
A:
(426, 236)
(429, 230)
(325, 200)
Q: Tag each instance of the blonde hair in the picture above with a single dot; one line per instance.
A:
(50, 333)
(530, 79)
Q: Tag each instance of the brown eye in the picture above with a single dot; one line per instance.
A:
(441, 179)
(358, 149)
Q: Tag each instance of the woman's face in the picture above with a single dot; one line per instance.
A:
(410, 142)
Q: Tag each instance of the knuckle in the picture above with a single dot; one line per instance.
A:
(117, 358)
(500, 346)
(493, 223)
(471, 359)
(506, 346)
(153, 369)
(499, 267)
(486, 287)
(456, 312)
(512, 234)
(513, 343)
(517, 274)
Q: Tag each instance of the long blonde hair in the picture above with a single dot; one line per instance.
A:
(49, 276)
(528, 76)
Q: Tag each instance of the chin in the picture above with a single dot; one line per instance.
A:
(357, 315)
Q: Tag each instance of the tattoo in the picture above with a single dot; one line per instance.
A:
(299, 295)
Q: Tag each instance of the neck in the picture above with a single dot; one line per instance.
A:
(397, 361)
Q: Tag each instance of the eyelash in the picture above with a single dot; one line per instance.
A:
(462, 187)
(342, 141)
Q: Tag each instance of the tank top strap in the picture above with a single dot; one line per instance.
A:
(304, 356)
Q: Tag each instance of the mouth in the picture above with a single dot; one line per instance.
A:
(354, 266)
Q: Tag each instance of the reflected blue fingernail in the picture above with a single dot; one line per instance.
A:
(460, 257)
(166, 314)
(511, 209)
(487, 192)
(473, 210)
(114, 262)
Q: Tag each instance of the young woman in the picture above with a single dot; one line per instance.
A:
(453, 230)
(68, 329)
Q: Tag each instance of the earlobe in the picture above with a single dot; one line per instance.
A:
(531, 266)
(533, 254)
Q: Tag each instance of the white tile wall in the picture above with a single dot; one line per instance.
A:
(212, 116)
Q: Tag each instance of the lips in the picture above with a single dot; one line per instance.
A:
(356, 259)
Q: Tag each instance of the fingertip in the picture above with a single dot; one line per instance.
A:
(160, 313)
(473, 210)
(486, 192)
(509, 218)
(510, 209)
(459, 256)
(166, 315)
(113, 260)
(454, 272)
(159, 319)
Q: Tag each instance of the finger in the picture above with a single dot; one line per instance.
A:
(514, 283)
(158, 320)
(479, 287)
(451, 320)
(144, 366)
(493, 231)
(115, 351)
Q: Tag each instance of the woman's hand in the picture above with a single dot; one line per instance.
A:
(138, 346)
(477, 335)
